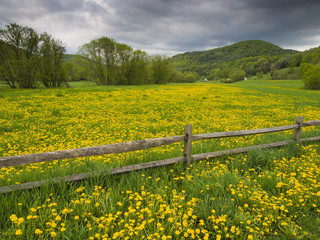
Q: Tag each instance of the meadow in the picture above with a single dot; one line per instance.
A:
(264, 194)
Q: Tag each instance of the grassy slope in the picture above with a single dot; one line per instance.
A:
(271, 193)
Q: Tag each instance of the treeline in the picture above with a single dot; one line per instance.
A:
(108, 62)
(253, 59)
(31, 60)
(300, 65)
(271, 67)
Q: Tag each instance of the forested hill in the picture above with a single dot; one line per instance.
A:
(203, 61)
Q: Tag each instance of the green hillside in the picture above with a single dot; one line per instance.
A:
(203, 62)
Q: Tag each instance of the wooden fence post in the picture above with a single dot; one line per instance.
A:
(187, 150)
(297, 132)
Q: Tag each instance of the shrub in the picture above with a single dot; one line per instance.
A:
(236, 75)
(286, 73)
(311, 75)
(190, 77)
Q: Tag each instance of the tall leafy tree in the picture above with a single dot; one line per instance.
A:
(123, 57)
(99, 58)
(28, 59)
(138, 68)
(160, 66)
(53, 74)
(19, 50)
(108, 63)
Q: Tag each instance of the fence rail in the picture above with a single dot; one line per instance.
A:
(187, 157)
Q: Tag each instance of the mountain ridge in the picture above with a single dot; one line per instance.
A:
(202, 61)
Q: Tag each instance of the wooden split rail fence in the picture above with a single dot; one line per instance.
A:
(187, 157)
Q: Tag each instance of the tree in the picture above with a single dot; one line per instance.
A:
(190, 77)
(99, 58)
(28, 59)
(123, 56)
(249, 69)
(76, 71)
(160, 69)
(263, 65)
(138, 68)
(237, 74)
(311, 75)
(108, 62)
(216, 74)
(53, 74)
(6, 75)
(176, 76)
(19, 54)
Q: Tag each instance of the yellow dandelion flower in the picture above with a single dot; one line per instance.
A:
(38, 231)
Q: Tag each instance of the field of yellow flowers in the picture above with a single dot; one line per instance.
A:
(264, 194)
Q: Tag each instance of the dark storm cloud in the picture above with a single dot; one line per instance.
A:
(170, 26)
(287, 16)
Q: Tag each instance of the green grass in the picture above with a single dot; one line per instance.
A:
(271, 193)
(290, 88)
(82, 84)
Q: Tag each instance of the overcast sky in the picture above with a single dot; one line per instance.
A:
(170, 26)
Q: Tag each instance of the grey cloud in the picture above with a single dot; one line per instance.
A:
(170, 26)
(60, 5)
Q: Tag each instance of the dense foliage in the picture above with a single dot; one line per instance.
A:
(108, 62)
(29, 59)
(311, 75)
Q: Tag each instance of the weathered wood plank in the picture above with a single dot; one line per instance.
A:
(297, 132)
(242, 132)
(36, 184)
(310, 139)
(89, 151)
(187, 150)
(237, 150)
(82, 176)
(147, 165)
(311, 123)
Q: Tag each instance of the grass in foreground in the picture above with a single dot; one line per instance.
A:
(272, 194)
